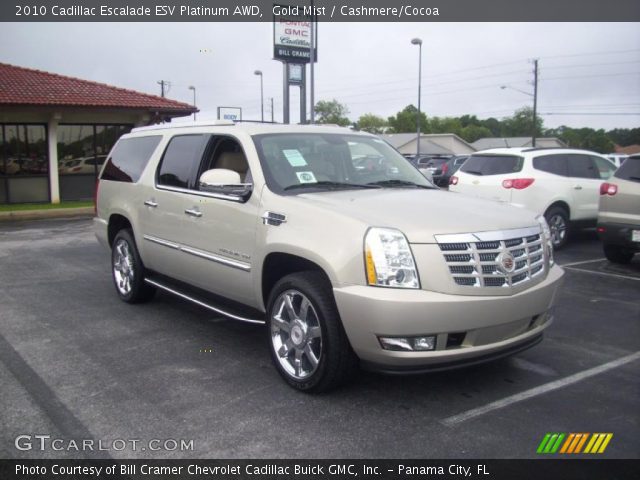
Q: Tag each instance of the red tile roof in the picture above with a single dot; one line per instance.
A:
(628, 150)
(25, 86)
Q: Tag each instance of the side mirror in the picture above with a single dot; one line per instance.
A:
(221, 181)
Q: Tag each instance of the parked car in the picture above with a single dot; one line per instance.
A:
(617, 158)
(430, 166)
(451, 167)
(83, 165)
(562, 184)
(619, 212)
(278, 225)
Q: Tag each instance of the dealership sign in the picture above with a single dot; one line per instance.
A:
(292, 39)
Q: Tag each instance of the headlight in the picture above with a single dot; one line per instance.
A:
(546, 235)
(388, 259)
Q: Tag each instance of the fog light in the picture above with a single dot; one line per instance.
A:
(408, 344)
(424, 343)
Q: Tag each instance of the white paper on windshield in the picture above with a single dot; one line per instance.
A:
(306, 177)
(295, 158)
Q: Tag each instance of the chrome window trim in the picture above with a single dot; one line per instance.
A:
(198, 193)
(246, 267)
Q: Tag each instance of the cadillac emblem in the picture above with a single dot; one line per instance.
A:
(506, 262)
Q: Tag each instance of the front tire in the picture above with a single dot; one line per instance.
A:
(558, 220)
(307, 341)
(617, 254)
(128, 270)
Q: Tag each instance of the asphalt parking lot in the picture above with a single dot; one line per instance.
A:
(76, 363)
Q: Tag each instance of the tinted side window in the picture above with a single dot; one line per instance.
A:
(180, 160)
(630, 170)
(604, 168)
(492, 164)
(581, 166)
(129, 157)
(556, 164)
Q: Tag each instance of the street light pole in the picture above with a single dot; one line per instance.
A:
(535, 101)
(418, 41)
(191, 87)
(259, 72)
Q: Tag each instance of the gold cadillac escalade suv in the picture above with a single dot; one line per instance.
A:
(329, 237)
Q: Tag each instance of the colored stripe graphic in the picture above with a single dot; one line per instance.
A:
(550, 443)
(573, 443)
(598, 442)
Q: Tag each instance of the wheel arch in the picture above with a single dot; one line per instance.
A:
(279, 264)
(116, 223)
(561, 204)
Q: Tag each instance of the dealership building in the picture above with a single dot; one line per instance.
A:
(55, 131)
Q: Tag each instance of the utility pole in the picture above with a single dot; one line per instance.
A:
(312, 59)
(535, 102)
(162, 84)
(272, 121)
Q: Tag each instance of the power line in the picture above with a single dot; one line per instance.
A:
(591, 54)
(590, 113)
(592, 76)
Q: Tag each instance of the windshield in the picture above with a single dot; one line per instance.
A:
(301, 162)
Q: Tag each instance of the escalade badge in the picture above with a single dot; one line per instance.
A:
(506, 262)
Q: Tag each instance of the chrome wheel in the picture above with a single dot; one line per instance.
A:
(123, 267)
(558, 227)
(296, 334)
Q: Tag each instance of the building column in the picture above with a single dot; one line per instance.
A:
(52, 141)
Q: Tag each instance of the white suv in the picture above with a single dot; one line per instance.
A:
(563, 184)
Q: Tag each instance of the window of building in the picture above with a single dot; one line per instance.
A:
(24, 163)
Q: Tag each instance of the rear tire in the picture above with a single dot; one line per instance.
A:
(128, 271)
(617, 254)
(558, 220)
(307, 341)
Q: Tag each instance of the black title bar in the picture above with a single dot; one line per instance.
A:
(318, 469)
(326, 10)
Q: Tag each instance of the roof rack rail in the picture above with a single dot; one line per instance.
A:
(201, 123)
(535, 149)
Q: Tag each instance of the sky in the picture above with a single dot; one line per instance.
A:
(589, 72)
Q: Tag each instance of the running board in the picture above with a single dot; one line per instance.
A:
(202, 303)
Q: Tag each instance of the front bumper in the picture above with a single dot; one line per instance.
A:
(618, 234)
(488, 326)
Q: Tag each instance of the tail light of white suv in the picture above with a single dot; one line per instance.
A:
(608, 189)
(517, 183)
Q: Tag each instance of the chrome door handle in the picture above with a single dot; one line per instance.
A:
(150, 203)
(193, 212)
(578, 187)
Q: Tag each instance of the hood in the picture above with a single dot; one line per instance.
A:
(421, 214)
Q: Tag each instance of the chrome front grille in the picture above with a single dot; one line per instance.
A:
(495, 259)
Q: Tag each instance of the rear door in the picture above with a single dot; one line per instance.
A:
(482, 175)
(586, 172)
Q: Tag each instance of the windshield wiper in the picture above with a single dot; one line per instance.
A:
(329, 184)
(399, 183)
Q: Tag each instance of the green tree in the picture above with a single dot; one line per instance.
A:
(443, 125)
(372, 123)
(405, 120)
(471, 133)
(519, 124)
(625, 136)
(587, 138)
(332, 111)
